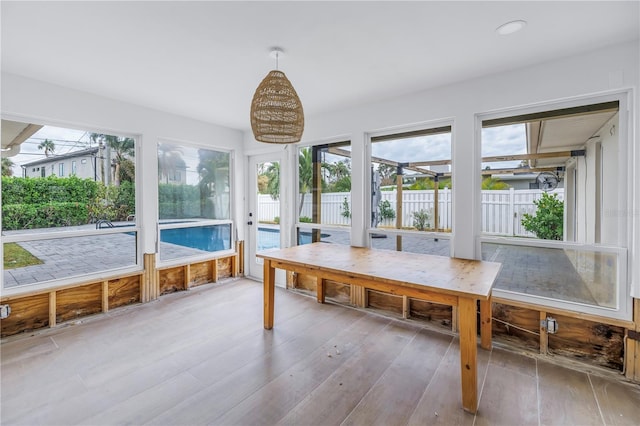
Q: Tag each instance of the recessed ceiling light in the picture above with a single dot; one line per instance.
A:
(511, 27)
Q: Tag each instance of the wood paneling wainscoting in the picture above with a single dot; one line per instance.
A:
(35, 309)
(588, 339)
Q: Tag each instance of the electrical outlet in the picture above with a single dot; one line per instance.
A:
(5, 311)
(550, 324)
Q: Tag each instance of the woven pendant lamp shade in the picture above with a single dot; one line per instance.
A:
(276, 111)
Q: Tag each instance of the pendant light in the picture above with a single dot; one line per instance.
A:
(276, 111)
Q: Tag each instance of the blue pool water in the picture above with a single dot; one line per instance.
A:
(269, 238)
(218, 237)
(207, 238)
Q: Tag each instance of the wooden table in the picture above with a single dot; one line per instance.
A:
(445, 280)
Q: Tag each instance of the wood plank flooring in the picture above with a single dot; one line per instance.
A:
(202, 357)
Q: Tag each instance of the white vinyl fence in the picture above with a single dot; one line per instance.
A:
(502, 211)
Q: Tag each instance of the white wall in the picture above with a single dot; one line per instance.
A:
(33, 101)
(612, 68)
(615, 67)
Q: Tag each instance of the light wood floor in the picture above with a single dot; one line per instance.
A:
(202, 357)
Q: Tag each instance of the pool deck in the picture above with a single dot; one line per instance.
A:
(75, 256)
(64, 257)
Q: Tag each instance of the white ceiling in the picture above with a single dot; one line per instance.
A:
(205, 59)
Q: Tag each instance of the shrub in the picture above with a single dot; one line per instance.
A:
(113, 202)
(305, 219)
(421, 219)
(346, 212)
(179, 201)
(127, 197)
(386, 212)
(547, 223)
(32, 216)
(19, 190)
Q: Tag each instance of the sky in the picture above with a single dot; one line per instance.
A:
(495, 141)
(65, 140)
(501, 140)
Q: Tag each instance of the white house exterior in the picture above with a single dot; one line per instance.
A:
(83, 164)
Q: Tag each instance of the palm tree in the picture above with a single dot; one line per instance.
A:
(422, 183)
(273, 184)
(123, 149)
(7, 167)
(169, 161)
(342, 169)
(491, 183)
(48, 146)
(213, 169)
(305, 172)
(339, 176)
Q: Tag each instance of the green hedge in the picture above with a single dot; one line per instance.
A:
(52, 189)
(29, 203)
(179, 201)
(30, 216)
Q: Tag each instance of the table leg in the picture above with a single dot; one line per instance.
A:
(468, 353)
(320, 289)
(485, 323)
(269, 277)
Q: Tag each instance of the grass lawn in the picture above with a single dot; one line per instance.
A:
(17, 257)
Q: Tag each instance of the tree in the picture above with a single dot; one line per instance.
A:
(342, 185)
(494, 184)
(339, 176)
(428, 183)
(387, 174)
(422, 184)
(122, 150)
(7, 166)
(547, 223)
(169, 161)
(213, 169)
(273, 184)
(305, 172)
(48, 146)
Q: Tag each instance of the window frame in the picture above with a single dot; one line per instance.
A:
(196, 223)
(624, 310)
(58, 233)
(417, 130)
(76, 279)
(317, 228)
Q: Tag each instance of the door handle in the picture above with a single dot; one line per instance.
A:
(250, 223)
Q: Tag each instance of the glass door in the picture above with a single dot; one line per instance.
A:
(264, 208)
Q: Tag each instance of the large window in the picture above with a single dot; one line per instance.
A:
(411, 191)
(550, 181)
(71, 227)
(324, 205)
(194, 201)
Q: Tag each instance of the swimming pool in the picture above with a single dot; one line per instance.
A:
(269, 238)
(218, 237)
(206, 238)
